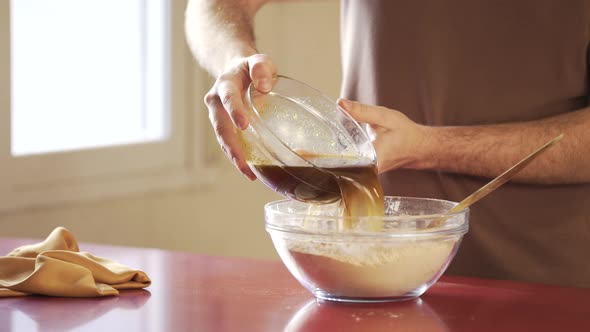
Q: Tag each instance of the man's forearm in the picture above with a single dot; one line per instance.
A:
(220, 30)
(489, 150)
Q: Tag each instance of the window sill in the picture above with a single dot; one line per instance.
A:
(80, 190)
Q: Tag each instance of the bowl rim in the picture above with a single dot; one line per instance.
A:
(427, 232)
(268, 206)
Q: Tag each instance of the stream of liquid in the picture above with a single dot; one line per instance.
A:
(354, 183)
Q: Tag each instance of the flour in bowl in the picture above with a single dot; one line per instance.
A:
(369, 270)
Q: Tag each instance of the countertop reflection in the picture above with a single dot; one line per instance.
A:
(410, 315)
(40, 313)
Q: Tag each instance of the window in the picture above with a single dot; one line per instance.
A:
(97, 70)
(92, 99)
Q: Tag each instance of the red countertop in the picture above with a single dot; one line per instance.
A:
(204, 293)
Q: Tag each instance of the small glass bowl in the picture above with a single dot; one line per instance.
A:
(295, 125)
(417, 242)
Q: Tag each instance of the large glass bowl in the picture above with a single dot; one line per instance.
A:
(417, 242)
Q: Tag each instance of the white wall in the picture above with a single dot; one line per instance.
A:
(225, 219)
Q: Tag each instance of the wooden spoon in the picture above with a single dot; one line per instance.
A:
(498, 181)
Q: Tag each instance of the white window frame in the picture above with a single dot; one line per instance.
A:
(48, 179)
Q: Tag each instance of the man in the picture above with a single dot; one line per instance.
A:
(478, 85)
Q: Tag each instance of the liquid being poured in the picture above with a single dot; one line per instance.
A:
(353, 182)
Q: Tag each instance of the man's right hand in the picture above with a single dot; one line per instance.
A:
(225, 102)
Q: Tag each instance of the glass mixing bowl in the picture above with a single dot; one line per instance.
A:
(416, 244)
(295, 126)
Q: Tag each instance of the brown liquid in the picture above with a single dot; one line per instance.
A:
(356, 185)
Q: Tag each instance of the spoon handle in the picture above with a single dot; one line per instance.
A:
(502, 178)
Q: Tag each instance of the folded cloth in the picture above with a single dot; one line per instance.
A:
(55, 267)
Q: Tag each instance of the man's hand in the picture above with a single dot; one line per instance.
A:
(225, 102)
(397, 139)
(480, 150)
(220, 34)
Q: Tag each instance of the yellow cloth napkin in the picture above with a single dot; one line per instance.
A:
(55, 267)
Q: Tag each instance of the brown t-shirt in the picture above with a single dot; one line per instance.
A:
(471, 62)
